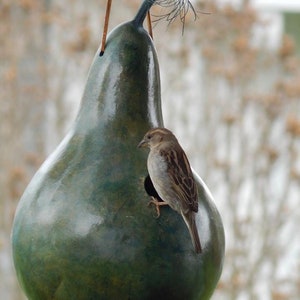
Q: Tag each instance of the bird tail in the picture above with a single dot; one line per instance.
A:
(189, 219)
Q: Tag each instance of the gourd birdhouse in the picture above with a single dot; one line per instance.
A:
(82, 229)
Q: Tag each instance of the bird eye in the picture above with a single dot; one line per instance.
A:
(149, 136)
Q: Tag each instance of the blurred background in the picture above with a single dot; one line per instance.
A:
(230, 92)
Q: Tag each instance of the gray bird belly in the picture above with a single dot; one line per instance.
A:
(157, 168)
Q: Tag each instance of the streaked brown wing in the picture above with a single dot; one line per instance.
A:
(182, 177)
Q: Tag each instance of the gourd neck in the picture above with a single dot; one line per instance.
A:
(142, 12)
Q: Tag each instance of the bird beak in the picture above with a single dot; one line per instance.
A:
(142, 144)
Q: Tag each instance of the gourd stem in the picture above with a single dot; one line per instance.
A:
(141, 14)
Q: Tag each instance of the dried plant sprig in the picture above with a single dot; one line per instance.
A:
(176, 8)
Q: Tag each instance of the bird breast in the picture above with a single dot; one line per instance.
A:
(158, 171)
(157, 167)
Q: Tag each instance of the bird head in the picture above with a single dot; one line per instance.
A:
(155, 137)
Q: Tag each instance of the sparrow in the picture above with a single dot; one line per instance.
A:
(172, 177)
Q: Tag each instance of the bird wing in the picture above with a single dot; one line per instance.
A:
(182, 178)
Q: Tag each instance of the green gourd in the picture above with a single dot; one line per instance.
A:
(82, 229)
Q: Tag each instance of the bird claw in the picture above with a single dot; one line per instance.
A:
(157, 205)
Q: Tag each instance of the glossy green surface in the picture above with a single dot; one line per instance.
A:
(83, 229)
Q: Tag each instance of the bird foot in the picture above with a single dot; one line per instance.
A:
(157, 205)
